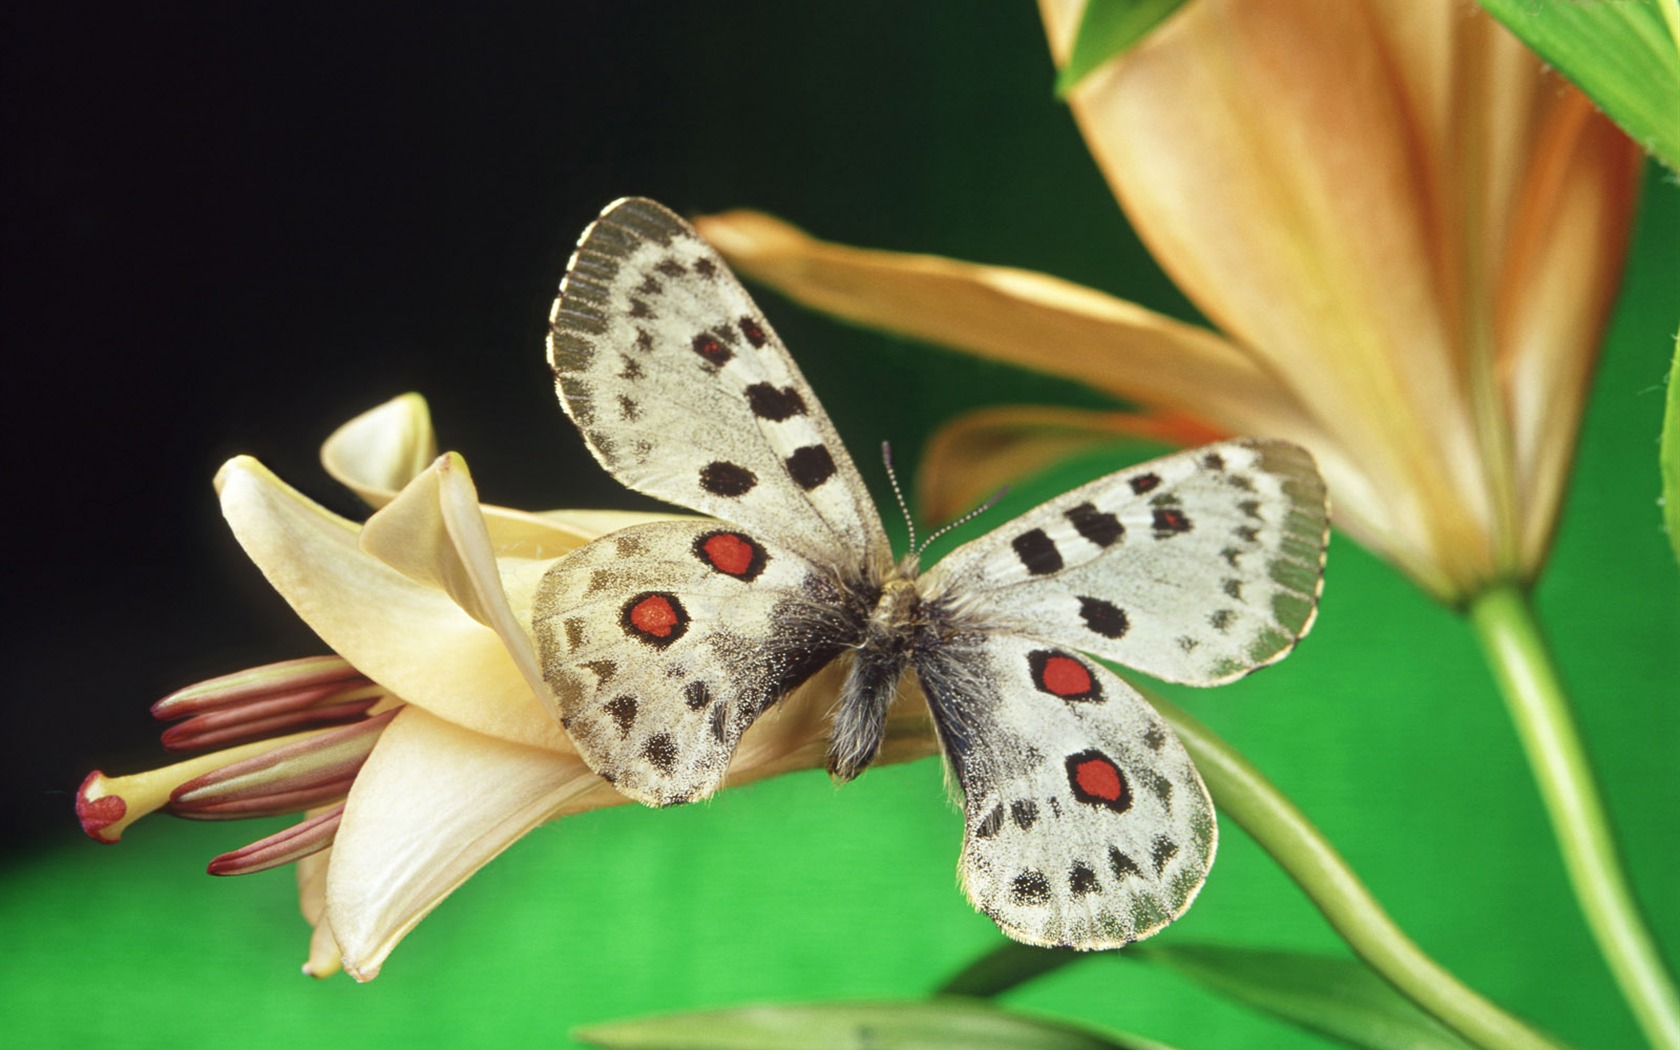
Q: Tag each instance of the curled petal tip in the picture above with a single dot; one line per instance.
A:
(236, 465)
(100, 812)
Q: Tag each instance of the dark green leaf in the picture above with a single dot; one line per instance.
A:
(1622, 55)
(1109, 28)
(1337, 997)
(1669, 455)
(1006, 966)
(939, 1025)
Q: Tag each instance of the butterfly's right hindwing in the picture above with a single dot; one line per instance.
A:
(663, 642)
(1087, 826)
(684, 392)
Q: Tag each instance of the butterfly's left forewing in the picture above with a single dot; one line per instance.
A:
(1087, 826)
(1197, 567)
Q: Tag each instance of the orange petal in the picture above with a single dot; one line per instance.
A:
(1562, 269)
(981, 452)
(1017, 316)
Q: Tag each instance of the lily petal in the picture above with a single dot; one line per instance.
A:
(410, 638)
(378, 452)
(433, 804)
(983, 451)
(433, 533)
(1024, 318)
(1552, 308)
(324, 958)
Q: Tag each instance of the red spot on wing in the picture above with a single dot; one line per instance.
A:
(729, 553)
(1098, 778)
(655, 616)
(1065, 676)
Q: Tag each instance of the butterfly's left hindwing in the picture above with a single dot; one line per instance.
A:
(1087, 826)
(663, 642)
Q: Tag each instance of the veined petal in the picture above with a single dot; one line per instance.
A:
(380, 451)
(1024, 318)
(433, 804)
(1562, 270)
(433, 533)
(1274, 161)
(982, 451)
(412, 639)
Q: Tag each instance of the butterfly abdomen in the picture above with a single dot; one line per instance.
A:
(878, 663)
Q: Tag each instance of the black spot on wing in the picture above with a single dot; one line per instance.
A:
(661, 751)
(990, 823)
(1161, 853)
(727, 479)
(1144, 483)
(707, 346)
(1030, 887)
(1024, 813)
(696, 695)
(775, 404)
(1037, 552)
(1103, 617)
(810, 466)
(623, 712)
(1170, 521)
(1096, 526)
(1123, 866)
(1081, 879)
(753, 331)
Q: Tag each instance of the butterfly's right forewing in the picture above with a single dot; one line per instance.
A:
(684, 392)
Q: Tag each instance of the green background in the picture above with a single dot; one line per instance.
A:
(922, 130)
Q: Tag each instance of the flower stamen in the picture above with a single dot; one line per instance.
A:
(283, 847)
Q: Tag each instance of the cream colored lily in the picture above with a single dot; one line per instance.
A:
(1409, 233)
(450, 753)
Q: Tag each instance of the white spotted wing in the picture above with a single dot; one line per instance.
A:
(683, 391)
(1196, 568)
(1086, 824)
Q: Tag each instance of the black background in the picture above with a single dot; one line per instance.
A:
(231, 227)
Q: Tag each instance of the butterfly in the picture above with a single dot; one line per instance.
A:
(1086, 825)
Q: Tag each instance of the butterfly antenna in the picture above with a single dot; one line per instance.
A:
(898, 494)
(966, 518)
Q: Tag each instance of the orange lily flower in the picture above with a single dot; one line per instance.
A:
(1409, 232)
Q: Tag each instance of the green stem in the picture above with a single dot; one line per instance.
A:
(1504, 620)
(1244, 795)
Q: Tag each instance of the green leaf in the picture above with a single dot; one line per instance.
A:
(1669, 455)
(1337, 997)
(1006, 966)
(1621, 54)
(1107, 29)
(938, 1025)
